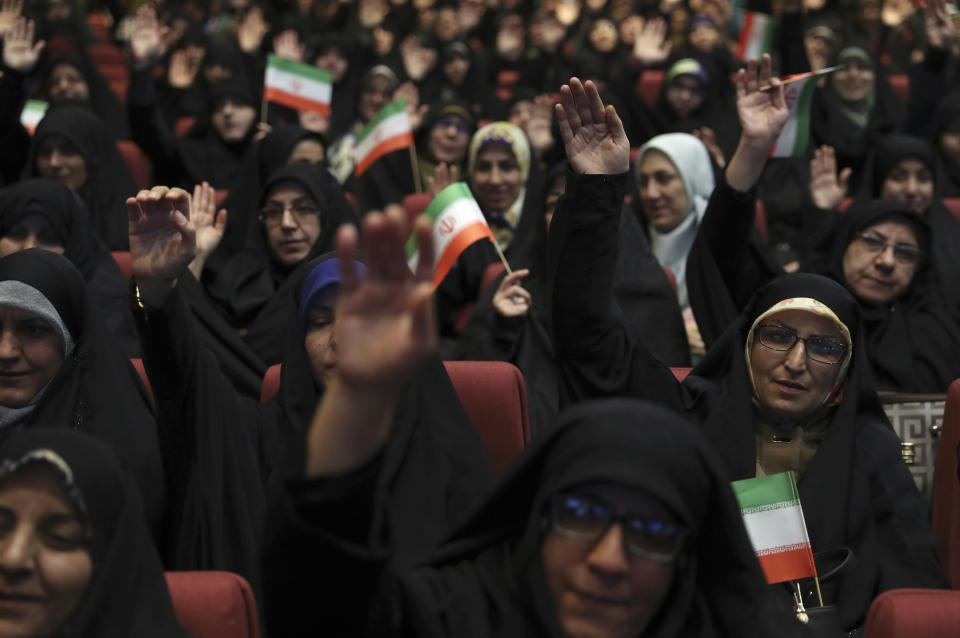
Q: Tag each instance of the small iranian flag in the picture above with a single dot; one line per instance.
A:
(457, 223)
(756, 35)
(796, 132)
(33, 112)
(771, 511)
(389, 131)
(297, 85)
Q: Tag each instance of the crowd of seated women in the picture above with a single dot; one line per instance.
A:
(360, 500)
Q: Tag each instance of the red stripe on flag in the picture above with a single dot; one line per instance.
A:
(744, 35)
(789, 565)
(390, 145)
(474, 232)
(295, 101)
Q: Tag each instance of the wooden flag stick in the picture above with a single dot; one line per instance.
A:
(502, 257)
(790, 79)
(263, 109)
(415, 163)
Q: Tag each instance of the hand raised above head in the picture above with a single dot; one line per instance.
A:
(763, 112)
(163, 240)
(592, 135)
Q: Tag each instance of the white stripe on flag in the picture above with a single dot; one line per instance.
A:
(298, 85)
(395, 125)
(464, 211)
(776, 527)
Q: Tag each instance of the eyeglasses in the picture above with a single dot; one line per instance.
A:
(905, 254)
(446, 123)
(300, 210)
(588, 520)
(822, 349)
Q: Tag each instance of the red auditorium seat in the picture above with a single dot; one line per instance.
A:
(917, 613)
(672, 278)
(946, 490)
(140, 167)
(214, 604)
(648, 86)
(122, 257)
(415, 203)
(953, 203)
(680, 373)
(493, 395)
(182, 125)
(901, 84)
(760, 219)
(350, 197)
(138, 366)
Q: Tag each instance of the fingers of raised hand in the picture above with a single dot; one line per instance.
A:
(594, 103)
(424, 231)
(347, 238)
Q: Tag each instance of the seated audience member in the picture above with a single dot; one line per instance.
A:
(788, 386)
(75, 556)
(221, 448)
(595, 531)
(59, 366)
(946, 139)
(45, 214)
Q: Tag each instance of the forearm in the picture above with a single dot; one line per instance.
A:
(745, 167)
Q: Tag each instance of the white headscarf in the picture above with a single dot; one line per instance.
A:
(692, 161)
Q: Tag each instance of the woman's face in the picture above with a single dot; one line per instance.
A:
(950, 143)
(376, 94)
(855, 81)
(880, 261)
(496, 177)
(319, 342)
(45, 563)
(291, 219)
(31, 352)
(556, 191)
(233, 119)
(455, 69)
(662, 193)
(308, 151)
(333, 60)
(603, 36)
(685, 95)
(449, 139)
(59, 159)
(790, 384)
(910, 182)
(704, 37)
(67, 83)
(30, 231)
(600, 588)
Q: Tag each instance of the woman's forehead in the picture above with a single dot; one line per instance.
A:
(896, 231)
(805, 322)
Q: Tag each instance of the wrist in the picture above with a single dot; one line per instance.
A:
(153, 293)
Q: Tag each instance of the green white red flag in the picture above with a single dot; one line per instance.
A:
(33, 112)
(771, 511)
(795, 135)
(387, 132)
(457, 223)
(756, 35)
(299, 86)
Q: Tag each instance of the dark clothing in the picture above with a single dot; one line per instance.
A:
(856, 491)
(102, 100)
(488, 578)
(947, 119)
(68, 221)
(127, 594)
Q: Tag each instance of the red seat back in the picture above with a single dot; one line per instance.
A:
(680, 373)
(138, 366)
(493, 395)
(648, 86)
(415, 203)
(917, 613)
(214, 604)
(122, 257)
(760, 219)
(901, 84)
(953, 203)
(140, 167)
(946, 489)
(183, 125)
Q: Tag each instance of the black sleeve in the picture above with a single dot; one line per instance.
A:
(149, 129)
(928, 84)
(596, 353)
(13, 137)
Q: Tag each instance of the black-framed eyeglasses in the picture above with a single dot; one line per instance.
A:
(588, 520)
(906, 254)
(446, 122)
(272, 213)
(782, 339)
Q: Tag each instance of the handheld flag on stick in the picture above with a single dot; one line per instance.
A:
(388, 131)
(299, 86)
(771, 511)
(457, 223)
(795, 135)
(33, 112)
(756, 35)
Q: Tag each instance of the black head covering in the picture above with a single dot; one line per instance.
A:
(947, 119)
(718, 588)
(253, 282)
(103, 101)
(856, 492)
(109, 182)
(127, 594)
(96, 390)
(343, 102)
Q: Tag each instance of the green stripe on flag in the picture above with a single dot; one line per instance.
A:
(766, 490)
(297, 68)
(769, 28)
(388, 111)
(803, 117)
(440, 203)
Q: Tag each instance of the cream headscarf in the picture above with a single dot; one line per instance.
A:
(692, 161)
(503, 223)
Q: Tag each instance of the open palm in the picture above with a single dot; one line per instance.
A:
(762, 113)
(593, 135)
(163, 241)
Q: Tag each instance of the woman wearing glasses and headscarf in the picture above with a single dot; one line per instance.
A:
(787, 386)
(595, 531)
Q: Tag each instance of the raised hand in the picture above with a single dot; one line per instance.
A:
(19, 51)
(10, 10)
(251, 30)
(313, 121)
(208, 224)
(706, 135)
(146, 38)
(941, 33)
(762, 113)
(418, 60)
(163, 240)
(511, 298)
(287, 45)
(650, 44)
(593, 135)
(409, 93)
(442, 177)
(827, 187)
(182, 69)
(385, 325)
(539, 127)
